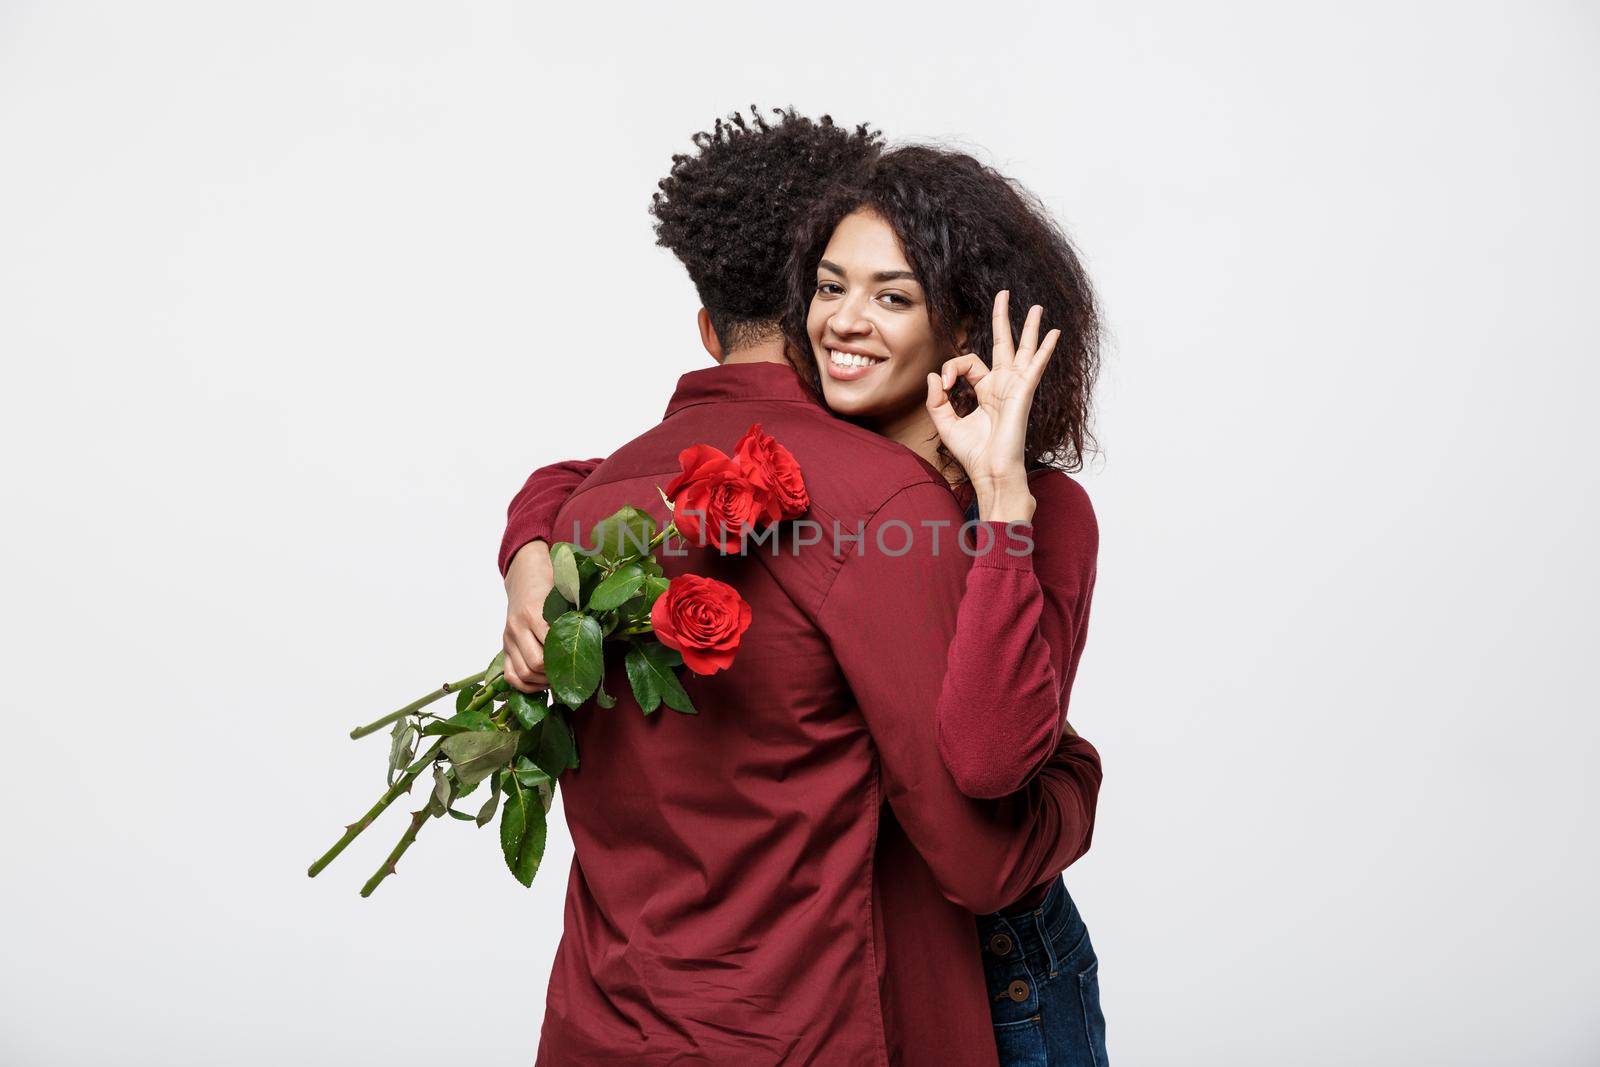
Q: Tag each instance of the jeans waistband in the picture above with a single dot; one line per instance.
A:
(1029, 928)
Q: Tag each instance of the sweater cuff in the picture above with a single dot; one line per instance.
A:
(517, 536)
(1005, 545)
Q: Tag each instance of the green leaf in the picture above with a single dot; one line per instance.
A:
(589, 575)
(464, 697)
(565, 564)
(557, 751)
(650, 671)
(477, 755)
(401, 747)
(555, 606)
(486, 813)
(654, 586)
(604, 699)
(572, 658)
(513, 821)
(642, 677)
(497, 666)
(522, 831)
(468, 721)
(674, 696)
(530, 774)
(617, 589)
(463, 816)
(625, 533)
(652, 567)
(439, 802)
(530, 710)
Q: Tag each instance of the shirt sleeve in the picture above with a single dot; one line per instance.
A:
(890, 616)
(1019, 634)
(532, 513)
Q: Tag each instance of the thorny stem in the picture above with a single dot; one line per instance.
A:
(401, 785)
(415, 705)
(417, 819)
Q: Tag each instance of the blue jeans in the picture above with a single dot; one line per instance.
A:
(1044, 984)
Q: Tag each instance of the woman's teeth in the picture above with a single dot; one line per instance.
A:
(850, 359)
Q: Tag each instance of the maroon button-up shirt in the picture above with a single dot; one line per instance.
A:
(790, 876)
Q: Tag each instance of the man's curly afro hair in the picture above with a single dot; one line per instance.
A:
(727, 209)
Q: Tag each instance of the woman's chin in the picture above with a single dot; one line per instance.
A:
(847, 399)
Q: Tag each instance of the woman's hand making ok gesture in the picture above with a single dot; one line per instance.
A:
(988, 441)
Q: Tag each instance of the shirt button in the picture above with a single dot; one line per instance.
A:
(1000, 945)
(1018, 991)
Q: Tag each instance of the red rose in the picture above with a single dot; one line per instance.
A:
(772, 467)
(714, 502)
(703, 619)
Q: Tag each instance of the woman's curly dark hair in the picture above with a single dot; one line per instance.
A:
(969, 232)
(727, 210)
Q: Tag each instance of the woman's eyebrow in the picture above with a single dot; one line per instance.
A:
(881, 276)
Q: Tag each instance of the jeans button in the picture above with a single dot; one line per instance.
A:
(1018, 991)
(1000, 945)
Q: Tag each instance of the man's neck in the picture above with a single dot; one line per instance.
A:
(770, 351)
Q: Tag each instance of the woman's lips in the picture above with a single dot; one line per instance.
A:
(848, 366)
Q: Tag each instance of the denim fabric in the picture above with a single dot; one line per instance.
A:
(1044, 984)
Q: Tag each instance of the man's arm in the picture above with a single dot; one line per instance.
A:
(525, 564)
(890, 619)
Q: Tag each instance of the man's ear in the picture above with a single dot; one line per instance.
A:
(708, 336)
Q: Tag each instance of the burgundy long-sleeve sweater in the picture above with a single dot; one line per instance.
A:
(1019, 635)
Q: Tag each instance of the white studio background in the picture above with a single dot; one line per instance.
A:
(294, 295)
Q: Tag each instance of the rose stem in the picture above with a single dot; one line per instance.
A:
(401, 785)
(415, 705)
(417, 819)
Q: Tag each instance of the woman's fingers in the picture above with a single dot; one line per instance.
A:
(939, 408)
(1030, 335)
(967, 366)
(1001, 327)
(1041, 359)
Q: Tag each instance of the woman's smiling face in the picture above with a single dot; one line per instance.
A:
(870, 330)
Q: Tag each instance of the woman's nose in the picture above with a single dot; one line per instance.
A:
(849, 320)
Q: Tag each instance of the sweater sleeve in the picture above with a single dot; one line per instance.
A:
(533, 510)
(1020, 631)
(984, 854)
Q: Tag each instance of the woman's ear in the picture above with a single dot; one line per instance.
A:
(708, 335)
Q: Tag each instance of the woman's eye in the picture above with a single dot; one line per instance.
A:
(828, 288)
(896, 300)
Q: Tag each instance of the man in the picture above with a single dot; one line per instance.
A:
(790, 876)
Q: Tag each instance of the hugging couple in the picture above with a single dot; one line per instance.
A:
(853, 854)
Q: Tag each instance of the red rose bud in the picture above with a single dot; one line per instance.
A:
(714, 502)
(703, 619)
(773, 468)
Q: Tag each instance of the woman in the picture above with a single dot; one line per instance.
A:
(891, 283)
(897, 279)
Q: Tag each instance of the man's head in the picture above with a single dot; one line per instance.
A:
(726, 210)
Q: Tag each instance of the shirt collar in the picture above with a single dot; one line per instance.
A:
(739, 381)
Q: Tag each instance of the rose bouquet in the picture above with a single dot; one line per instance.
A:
(611, 597)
